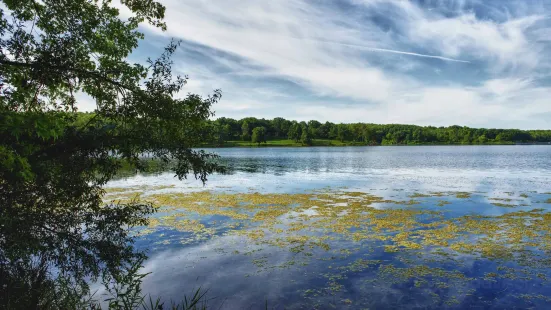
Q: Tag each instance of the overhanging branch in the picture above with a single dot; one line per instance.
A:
(82, 72)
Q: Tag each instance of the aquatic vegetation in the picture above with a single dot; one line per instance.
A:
(535, 296)
(501, 199)
(503, 205)
(419, 195)
(139, 188)
(463, 195)
(316, 225)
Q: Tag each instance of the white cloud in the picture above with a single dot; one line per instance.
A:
(289, 38)
(504, 45)
(438, 106)
(356, 67)
(506, 86)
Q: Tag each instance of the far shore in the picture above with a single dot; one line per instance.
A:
(337, 143)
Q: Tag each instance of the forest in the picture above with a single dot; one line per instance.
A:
(223, 131)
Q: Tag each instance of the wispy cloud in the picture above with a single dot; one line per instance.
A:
(441, 62)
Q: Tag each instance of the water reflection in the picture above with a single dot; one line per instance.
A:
(350, 249)
(470, 168)
(434, 227)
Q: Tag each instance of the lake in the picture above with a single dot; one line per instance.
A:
(404, 227)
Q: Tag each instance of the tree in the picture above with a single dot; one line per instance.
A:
(280, 127)
(323, 130)
(333, 132)
(343, 133)
(313, 127)
(221, 132)
(482, 139)
(245, 131)
(295, 132)
(232, 126)
(259, 135)
(56, 233)
(367, 135)
(306, 137)
(373, 134)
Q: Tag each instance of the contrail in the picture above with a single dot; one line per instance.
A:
(411, 54)
(384, 50)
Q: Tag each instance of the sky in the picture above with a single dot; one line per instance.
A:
(480, 63)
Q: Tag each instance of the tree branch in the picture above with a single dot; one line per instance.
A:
(87, 73)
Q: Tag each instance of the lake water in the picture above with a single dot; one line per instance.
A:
(354, 228)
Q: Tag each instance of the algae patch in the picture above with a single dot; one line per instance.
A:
(333, 226)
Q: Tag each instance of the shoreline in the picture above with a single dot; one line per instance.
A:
(278, 144)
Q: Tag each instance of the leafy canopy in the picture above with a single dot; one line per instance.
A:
(374, 134)
(55, 231)
(259, 135)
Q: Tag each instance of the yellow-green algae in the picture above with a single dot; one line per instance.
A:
(139, 188)
(309, 222)
(503, 205)
(463, 195)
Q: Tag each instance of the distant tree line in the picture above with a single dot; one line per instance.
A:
(260, 130)
(228, 129)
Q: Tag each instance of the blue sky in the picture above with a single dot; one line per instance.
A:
(483, 63)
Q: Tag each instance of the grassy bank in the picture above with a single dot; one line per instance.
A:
(327, 142)
(288, 143)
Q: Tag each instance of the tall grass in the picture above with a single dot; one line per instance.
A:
(125, 292)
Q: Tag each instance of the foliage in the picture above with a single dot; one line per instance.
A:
(246, 135)
(259, 135)
(221, 133)
(375, 134)
(56, 233)
(295, 132)
(306, 137)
